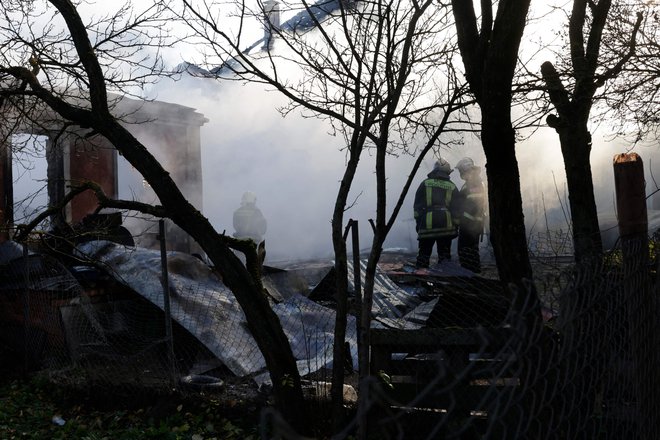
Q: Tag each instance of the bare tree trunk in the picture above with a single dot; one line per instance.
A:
(505, 202)
(575, 140)
(261, 319)
(341, 272)
(576, 149)
(490, 54)
(365, 332)
(573, 110)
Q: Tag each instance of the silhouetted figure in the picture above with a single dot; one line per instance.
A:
(473, 209)
(436, 211)
(249, 222)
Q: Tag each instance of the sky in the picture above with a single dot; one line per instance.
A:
(294, 166)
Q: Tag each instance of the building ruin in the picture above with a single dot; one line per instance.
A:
(171, 132)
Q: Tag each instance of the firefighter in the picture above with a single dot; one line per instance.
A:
(249, 222)
(473, 210)
(436, 210)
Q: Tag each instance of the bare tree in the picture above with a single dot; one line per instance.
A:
(633, 97)
(381, 73)
(489, 50)
(73, 64)
(586, 70)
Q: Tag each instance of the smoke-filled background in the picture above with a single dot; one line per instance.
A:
(294, 166)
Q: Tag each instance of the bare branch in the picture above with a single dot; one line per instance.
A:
(618, 67)
(104, 202)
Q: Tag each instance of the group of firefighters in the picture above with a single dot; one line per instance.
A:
(442, 213)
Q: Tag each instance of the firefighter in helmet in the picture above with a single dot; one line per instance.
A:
(473, 211)
(249, 222)
(436, 210)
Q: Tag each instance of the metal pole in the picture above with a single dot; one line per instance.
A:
(364, 316)
(357, 281)
(26, 308)
(166, 298)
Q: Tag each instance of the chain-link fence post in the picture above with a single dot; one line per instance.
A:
(357, 281)
(166, 299)
(363, 352)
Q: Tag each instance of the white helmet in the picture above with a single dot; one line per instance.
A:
(248, 198)
(442, 165)
(464, 165)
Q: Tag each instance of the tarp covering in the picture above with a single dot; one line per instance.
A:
(205, 307)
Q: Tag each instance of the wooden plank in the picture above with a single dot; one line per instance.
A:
(470, 397)
(484, 371)
(430, 368)
(436, 337)
(430, 337)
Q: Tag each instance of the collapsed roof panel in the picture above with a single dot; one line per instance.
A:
(208, 310)
(390, 301)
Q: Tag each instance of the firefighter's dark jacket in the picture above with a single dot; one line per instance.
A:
(473, 207)
(437, 206)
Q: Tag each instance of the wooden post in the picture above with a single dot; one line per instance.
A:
(633, 228)
(630, 195)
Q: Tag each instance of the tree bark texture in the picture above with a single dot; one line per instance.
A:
(576, 150)
(262, 321)
(341, 294)
(490, 56)
(573, 110)
(571, 125)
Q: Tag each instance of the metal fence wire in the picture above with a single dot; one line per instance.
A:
(451, 357)
(584, 366)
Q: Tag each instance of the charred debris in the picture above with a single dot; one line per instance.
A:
(88, 305)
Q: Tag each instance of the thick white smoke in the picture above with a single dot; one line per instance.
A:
(294, 166)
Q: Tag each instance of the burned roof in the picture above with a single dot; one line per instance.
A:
(305, 20)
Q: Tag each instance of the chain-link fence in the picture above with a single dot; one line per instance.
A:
(450, 356)
(581, 364)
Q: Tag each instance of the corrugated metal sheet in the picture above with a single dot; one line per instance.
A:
(209, 311)
(389, 300)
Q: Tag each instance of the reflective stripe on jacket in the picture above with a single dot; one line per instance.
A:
(473, 207)
(436, 207)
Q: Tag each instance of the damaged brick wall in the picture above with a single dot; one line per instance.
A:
(170, 131)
